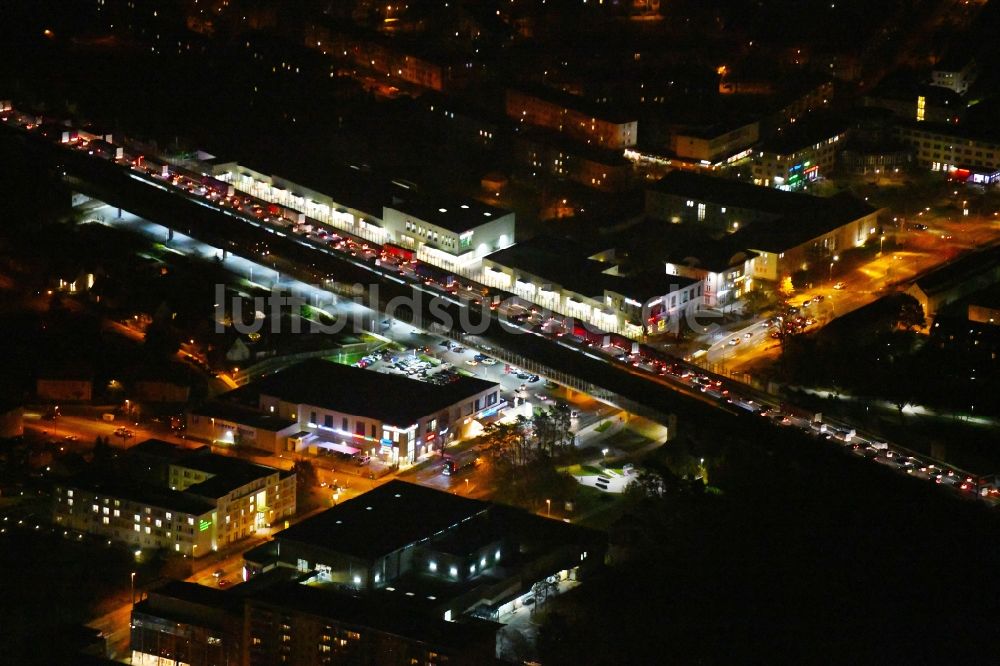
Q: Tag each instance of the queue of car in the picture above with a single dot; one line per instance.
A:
(646, 360)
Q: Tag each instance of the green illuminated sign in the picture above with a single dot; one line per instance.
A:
(204, 525)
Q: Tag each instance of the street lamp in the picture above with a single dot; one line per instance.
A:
(881, 239)
(132, 576)
(548, 508)
(836, 258)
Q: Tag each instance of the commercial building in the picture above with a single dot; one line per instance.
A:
(579, 119)
(798, 156)
(207, 502)
(715, 144)
(229, 423)
(787, 231)
(724, 269)
(589, 285)
(348, 199)
(450, 234)
(338, 408)
(963, 154)
(448, 556)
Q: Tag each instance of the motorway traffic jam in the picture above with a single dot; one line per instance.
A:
(398, 264)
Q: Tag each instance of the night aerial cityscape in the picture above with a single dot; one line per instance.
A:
(520, 332)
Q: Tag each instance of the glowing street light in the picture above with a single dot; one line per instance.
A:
(548, 508)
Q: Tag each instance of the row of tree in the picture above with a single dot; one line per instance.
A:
(517, 444)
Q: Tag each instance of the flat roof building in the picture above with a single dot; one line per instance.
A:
(578, 118)
(787, 231)
(334, 407)
(188, 501)
(449, 556)
(281, 621)
(451, 235)
(586, 283)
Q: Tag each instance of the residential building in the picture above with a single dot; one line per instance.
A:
(207, 502)
(248, 497)
(334, 408)
(542, 153)
(966, 155)
(579, 119)
(303, 625)
(187, 623)
(274, 621)
(922, 103)
(955, 72)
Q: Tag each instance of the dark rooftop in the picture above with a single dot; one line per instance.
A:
(231, 411)
(563, 261)
(455, 216)
(797, 217)
(399, 620)
(802, 226)
(542, 136)
(604, 112)
(383, 520)
(353, 186)
(804, 135)
(157, 448)
(969, 268)
(392, 399)
(959, 131)
(228, 473)
(729, 192)
(646, 285)
(112, 484)
(652, 242)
